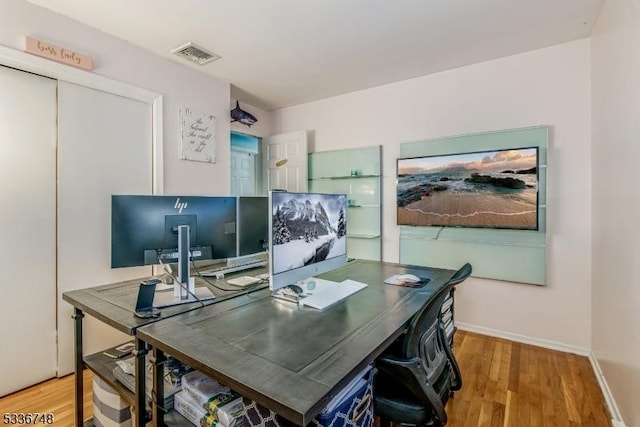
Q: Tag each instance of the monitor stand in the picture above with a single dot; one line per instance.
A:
(287, 293)
(184, 291)
(187, 285)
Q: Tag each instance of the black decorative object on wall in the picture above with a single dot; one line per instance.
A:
(239, 115)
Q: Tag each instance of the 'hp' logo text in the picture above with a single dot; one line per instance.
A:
(180, 205)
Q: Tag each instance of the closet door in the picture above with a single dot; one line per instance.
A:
(28, 229)
(105, 148)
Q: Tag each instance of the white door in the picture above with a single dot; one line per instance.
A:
(105, 148)
(28, 229)
(286, 161)
(243, 173)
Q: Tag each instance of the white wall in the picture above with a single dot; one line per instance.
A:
(616, 202)
(545, 87)
(117, 59)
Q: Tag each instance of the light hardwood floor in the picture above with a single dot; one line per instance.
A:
(511, 384)
(53, 396)
(504, 384)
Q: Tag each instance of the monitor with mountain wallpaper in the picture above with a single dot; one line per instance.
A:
(308, 235)
(487, 189)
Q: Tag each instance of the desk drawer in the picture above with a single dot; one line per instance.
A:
(351, 408)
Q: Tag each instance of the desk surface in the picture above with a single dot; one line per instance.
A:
(114, 304)
(293, 359)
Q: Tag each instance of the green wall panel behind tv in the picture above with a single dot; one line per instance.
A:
(502, 254)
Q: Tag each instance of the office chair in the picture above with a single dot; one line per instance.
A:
(414, 384)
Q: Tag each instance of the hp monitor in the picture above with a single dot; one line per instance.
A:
(144, 229)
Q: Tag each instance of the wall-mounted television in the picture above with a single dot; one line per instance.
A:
(484, 189)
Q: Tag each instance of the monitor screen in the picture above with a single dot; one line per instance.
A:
(308, 235)
(144, 228)
(253, 225)
(488, 189)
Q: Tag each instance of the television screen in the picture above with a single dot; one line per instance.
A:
(487, 189)
(308, 235)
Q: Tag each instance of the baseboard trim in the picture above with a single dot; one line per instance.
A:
(554, 345)
(616, 418)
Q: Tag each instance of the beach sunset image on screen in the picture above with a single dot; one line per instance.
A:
(496, 189)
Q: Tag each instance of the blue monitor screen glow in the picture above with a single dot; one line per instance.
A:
(307, 235)
(144, 228)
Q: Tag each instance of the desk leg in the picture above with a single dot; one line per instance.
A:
(140, 372)
(79, 366)
(158, 387)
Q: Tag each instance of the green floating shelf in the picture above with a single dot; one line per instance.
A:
(332, 172)
(350, 177)
(363, 236)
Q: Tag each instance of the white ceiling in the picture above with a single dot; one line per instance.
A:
(279, 53)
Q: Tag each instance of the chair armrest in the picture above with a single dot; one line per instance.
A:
(411, 373)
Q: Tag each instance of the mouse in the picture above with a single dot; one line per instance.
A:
(295, 288)
(409, 277)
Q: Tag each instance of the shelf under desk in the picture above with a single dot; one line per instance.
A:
(114, 305)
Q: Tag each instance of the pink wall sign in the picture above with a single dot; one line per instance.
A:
(57, 53)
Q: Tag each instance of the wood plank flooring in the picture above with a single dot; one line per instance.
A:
(511, 384)
(504, 384)
(53, 396)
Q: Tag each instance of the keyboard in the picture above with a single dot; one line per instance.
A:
(243, 281)
(226, 270)
(328, 297)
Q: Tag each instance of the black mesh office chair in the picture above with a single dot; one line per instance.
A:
(417, 377)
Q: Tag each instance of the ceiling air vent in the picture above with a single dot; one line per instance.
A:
(195, 53)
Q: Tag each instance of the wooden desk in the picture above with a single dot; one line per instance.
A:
(114, 304)
(288, 358)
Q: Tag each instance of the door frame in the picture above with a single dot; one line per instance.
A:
(44, 67)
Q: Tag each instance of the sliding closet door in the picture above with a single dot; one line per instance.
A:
(28, 229)
(105, 148)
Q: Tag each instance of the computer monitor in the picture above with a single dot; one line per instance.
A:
(308, 235)
(144, 229)
(253, 225)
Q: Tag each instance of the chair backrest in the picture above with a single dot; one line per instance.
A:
(429, 314)
(461, 275)
(425, 339)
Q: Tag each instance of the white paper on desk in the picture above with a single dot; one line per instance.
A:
(353, 283)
